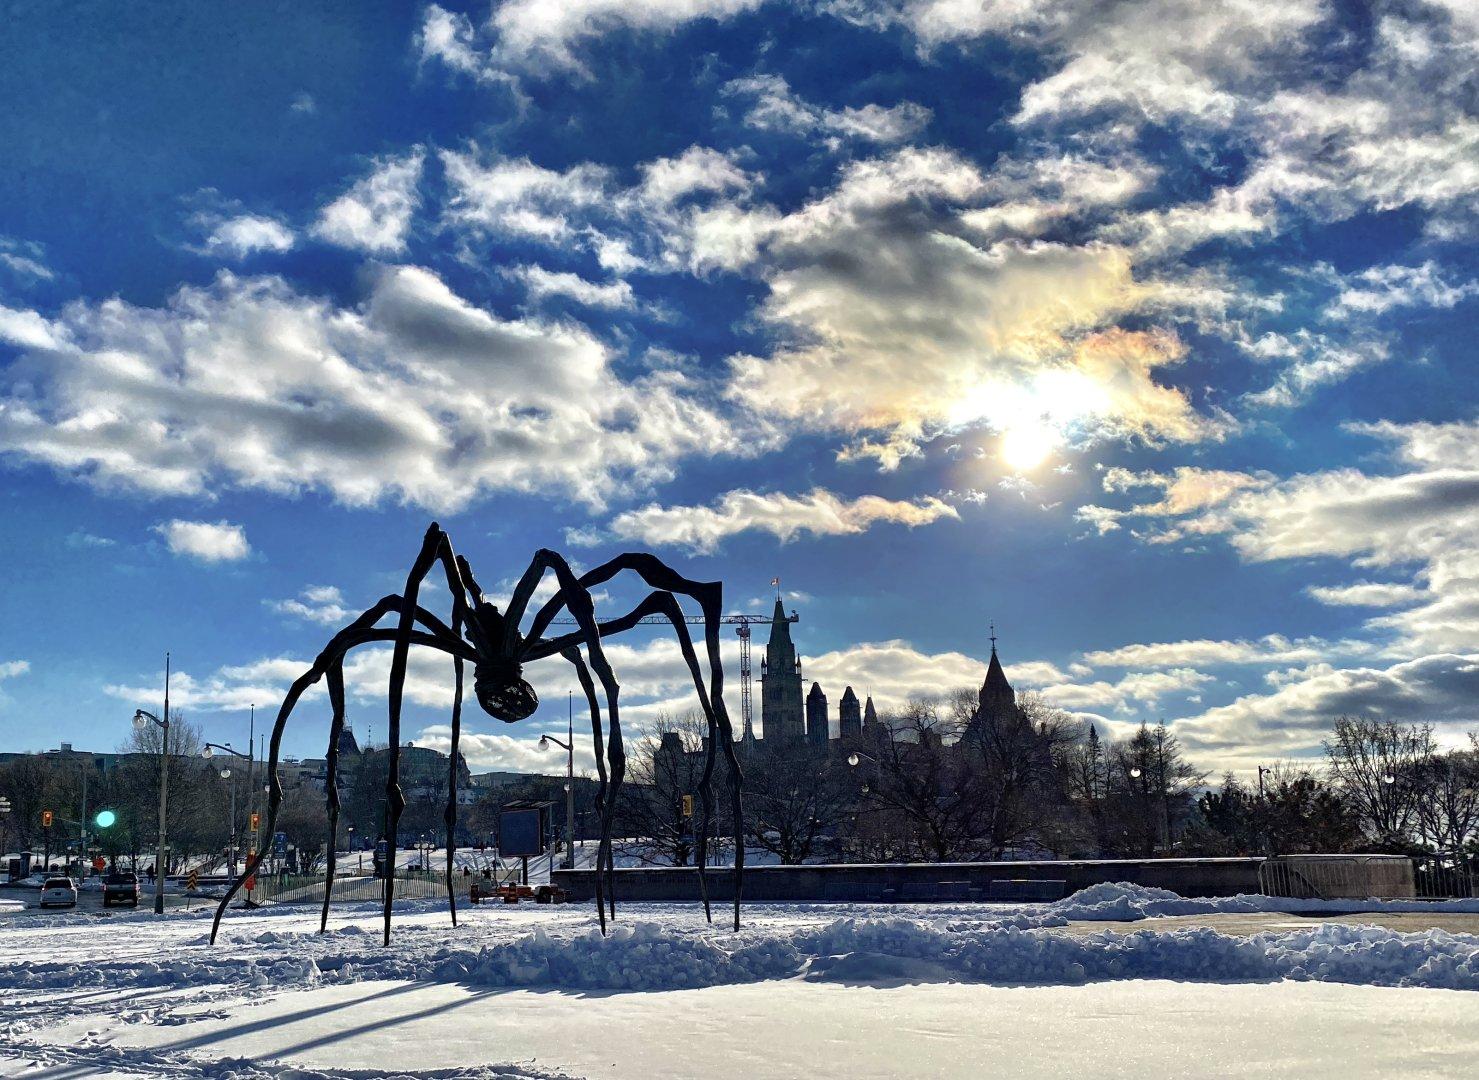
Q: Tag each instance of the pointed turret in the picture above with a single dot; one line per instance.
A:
(870, 716)
(816, 716)
(849, 716)
(996, 701)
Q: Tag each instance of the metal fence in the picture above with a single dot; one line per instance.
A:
(1443, 878)
(1346, 877)
(309, 888)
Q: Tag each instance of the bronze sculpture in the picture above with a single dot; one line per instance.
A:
(491, 640)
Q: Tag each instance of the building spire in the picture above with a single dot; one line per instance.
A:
(993, 639)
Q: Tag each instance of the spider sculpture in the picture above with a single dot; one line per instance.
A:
(491, 640)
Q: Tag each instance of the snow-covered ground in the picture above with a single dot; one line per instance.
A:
(947, 990)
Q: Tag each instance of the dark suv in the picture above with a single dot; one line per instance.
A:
(121, 887)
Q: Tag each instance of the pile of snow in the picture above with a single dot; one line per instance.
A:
(1123, 902)
(676, 954)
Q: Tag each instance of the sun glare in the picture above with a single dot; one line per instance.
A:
(1028, 446)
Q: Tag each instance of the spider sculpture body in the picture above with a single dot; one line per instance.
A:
(491, 640)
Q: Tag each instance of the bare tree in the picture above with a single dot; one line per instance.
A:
(1377, 766)
(930, 792)
(795, 797)
(196, 809)
(665, 766)
(1151, 787)
(1447, 799)
(1021, 756)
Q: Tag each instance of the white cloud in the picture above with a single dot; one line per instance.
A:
(210, 542)
(27, 329)
(511, 753)
(9, 669)
(1208, 652)
(246, 234)
(1379, 289)
(906, 328)
(317, 603)
(650, 222)
(542, 283)
(536, 37)
(1439, 689)
(819, 513)
(1366, 594)
(414, 394)
(774, 106)
(24, 259)
(375, 214)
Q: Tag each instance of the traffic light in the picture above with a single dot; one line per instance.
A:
(256, 820)
(105, 819)
(46, 819)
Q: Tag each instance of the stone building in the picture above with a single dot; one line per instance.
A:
(782, 715)
(849, 716)
(816, 716)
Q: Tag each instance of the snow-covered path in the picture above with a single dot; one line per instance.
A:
(865, 991)
(785, 1029)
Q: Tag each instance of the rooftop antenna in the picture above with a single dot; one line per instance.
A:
(993, 637)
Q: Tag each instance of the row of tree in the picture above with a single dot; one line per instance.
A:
(937, 782)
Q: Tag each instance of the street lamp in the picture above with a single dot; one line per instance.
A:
(208, 752)
(569, 748)
(141, 717)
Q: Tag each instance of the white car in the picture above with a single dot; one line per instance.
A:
(58, 892)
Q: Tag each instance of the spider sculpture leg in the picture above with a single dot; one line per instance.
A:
(577, 600)
(450, 817)
(334, 678)
(583, 673)
(665, 604)
(435, 548)
(709, 596)
(361, 631)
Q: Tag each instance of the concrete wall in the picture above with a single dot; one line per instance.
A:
(905, 882)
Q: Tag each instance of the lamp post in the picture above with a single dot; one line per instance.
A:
(231, 849)
(209, 751)
(141, 717)
(569, 748)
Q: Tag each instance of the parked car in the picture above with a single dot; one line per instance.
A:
(58, 892)
(121, 887)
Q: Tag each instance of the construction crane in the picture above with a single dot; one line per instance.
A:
(741, 624)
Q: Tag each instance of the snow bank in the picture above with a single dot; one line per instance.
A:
(1123, 902)
(653, 956)
(647, 956)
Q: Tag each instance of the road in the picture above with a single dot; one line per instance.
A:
(89, 901)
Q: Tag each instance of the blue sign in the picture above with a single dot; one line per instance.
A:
(280, 843)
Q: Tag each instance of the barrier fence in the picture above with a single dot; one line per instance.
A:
(358, 888)
(1359, 877)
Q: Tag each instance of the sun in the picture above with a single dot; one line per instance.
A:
(1027, 446)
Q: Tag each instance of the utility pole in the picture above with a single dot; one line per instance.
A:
(82, 829)
(140, 718)
(569, 748)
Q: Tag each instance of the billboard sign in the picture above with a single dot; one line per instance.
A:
(521, 831)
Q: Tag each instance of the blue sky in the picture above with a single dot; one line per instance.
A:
(1142, 330)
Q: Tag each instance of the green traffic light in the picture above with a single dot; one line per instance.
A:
(105, 818)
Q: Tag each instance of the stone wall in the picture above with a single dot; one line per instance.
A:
(906, 882)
